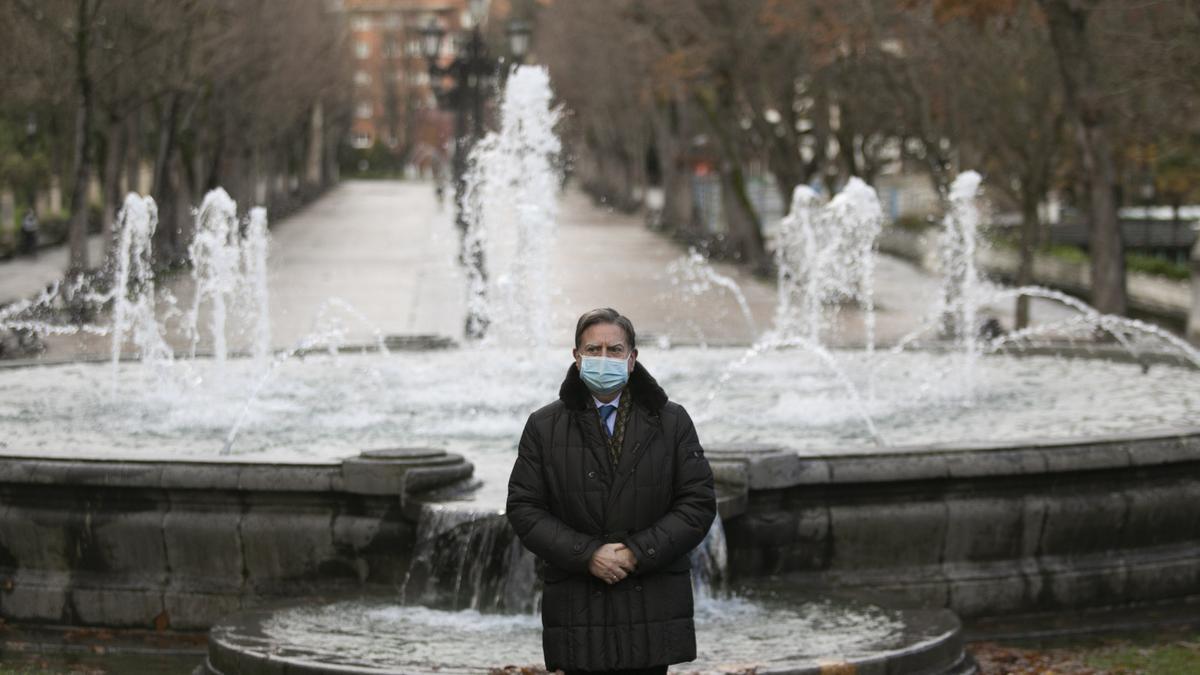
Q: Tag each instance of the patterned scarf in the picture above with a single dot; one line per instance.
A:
(618, 436)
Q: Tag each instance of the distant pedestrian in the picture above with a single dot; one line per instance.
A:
(29, 233)
(439, 183)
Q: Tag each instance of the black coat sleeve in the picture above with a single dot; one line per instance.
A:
(543, 533)
(693, 506)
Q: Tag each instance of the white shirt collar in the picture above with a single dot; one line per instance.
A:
(616, 401)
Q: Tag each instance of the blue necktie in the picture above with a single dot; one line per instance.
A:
(606, 412)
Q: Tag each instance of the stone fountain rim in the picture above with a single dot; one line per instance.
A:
(424, 342)
(360, 474)
(767, 467)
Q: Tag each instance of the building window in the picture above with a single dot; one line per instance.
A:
(392, 49)
(361, 23)
(414, 47)
(422, 77)
(363, 111)
(362, 78)
(393, 21)
(361, 140)
(361, 49)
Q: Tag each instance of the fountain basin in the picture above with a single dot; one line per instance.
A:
(983, 529)
(802, 636)
(1068, 483)
(181, 544)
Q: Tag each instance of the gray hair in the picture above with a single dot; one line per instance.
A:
(605, 315)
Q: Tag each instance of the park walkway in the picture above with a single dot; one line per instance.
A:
(389, 250)
(380, 258)
(25, 276)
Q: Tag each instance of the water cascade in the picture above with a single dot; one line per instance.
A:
(467, 558)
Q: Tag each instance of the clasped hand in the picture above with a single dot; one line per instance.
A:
(612, 563)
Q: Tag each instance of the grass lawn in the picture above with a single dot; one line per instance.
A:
(1150, 653)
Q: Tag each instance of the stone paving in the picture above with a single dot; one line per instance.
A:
(381, 256)
(387, 249)
(25, 276)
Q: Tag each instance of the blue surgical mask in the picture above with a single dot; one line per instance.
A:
(604, 375)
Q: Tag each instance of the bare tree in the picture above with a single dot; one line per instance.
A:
(213, 92)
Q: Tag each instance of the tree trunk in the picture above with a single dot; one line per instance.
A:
(77, 232)
(166, 239)
(316, 143)
(113, 156)
(133, 153)
(743, 221)
(1068, 21)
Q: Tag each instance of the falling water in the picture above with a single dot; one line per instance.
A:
(771, 342)
(693, 276)
(1118, 327)
(470, 559)
(710, 565)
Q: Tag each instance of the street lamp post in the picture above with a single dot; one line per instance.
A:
(28, 151)
(471, 72)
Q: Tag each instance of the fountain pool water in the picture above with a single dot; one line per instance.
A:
(734, 635)
(324, 407)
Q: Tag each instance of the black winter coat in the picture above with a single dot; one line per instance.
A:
(565, 499)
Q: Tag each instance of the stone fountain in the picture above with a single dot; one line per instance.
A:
(865, 493)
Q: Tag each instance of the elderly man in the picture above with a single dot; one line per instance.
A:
(611, 491)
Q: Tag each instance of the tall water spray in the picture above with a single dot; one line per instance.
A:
(856, 210)
(826, 256)
(960, 295)
(133, 309)
(256, 300)
(513, 180)
(215, 268)
(795, 249)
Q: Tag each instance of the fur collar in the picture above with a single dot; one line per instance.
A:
(646, 392)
